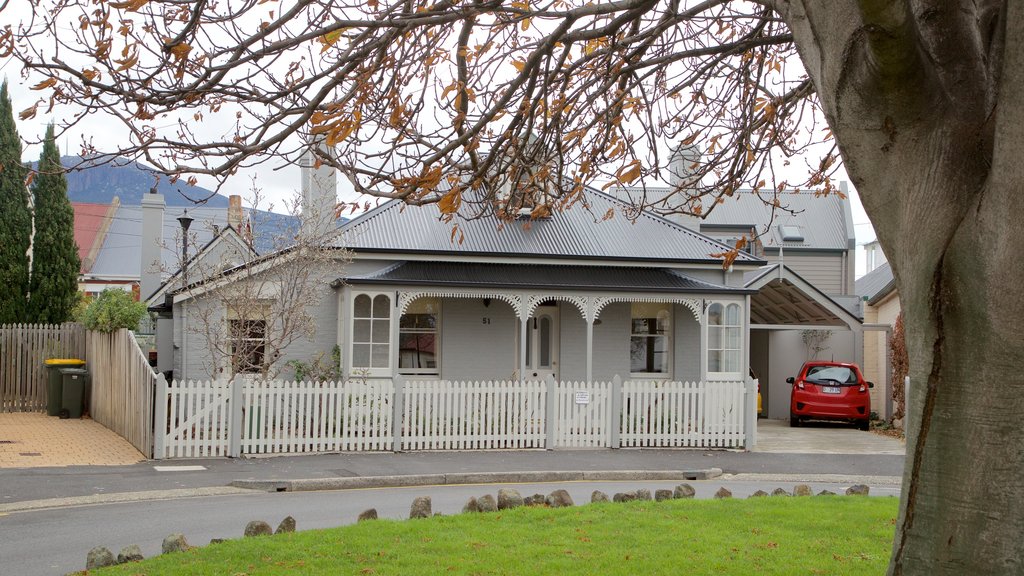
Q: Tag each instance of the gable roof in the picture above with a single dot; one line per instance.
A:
(784, 298)
(228, 234)
(476, 275)
(578, 232)
(826, 222)
(92, 222)
(876, 284)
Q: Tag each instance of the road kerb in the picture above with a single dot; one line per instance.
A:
(360, 482)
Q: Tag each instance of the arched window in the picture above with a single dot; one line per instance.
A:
(371, 332)
(725, 338)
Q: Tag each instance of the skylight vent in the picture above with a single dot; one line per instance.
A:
(791, 233)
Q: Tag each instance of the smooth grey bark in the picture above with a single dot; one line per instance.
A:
(925, 99)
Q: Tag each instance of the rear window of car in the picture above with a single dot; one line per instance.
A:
(839, 374)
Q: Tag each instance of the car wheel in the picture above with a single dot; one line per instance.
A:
(794, 422)
(864, 425)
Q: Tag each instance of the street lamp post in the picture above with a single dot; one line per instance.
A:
(185, 222)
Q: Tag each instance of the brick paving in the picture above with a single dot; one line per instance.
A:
(34, 440)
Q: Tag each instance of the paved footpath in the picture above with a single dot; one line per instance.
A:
(867, 456)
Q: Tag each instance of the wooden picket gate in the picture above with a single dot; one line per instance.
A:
(583, 414)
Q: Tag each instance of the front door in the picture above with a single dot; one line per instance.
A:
(542, 343)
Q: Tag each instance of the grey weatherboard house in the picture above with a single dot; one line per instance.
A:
(574, 297)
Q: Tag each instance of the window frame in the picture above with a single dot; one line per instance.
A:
(667, 334)
(436, 331)
(739, 350)
(259, 314)
(371, 370)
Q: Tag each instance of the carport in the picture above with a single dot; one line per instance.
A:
(784, 306)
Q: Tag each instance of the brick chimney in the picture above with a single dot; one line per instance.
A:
(235, 212)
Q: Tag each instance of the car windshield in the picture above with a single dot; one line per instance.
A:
(840, 374)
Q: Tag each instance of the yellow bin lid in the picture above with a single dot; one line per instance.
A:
(64, 362)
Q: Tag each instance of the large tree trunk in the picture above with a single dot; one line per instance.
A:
(926, 105)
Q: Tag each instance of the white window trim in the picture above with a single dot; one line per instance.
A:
(706, 340)
(437, 347)
(361, 371)
(669, 348)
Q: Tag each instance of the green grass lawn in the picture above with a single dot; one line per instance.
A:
(832, 535)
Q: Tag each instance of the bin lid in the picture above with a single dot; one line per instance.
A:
(74, 371)
(64, 362)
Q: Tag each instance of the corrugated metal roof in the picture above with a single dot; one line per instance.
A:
(577, 232)
(468, 275)
(822, 220)
(121, 254)
(876, 283)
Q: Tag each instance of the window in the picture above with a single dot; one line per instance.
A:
(418, 337)
(371, 332)
(247, 334)
(650, 339)
(725, 338)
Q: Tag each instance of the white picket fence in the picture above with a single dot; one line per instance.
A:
(682, 414)
(473, 415)
(221, 418)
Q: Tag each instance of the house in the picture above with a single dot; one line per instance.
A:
(574, 296)
(881, 303)
(806, 306)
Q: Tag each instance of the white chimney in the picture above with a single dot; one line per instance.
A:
(319, 197)
(681, 167)
(152, 237)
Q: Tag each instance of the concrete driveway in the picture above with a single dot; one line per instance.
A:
(775, 436)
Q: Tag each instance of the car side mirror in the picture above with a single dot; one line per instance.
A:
(871, 384)
(789, 380)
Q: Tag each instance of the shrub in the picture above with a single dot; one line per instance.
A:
(111, 310)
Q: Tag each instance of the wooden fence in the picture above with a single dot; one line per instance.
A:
(473, 415)
(122, 387)
(23, 348)
(217, 418)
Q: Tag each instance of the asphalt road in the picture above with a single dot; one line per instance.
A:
(56, 541)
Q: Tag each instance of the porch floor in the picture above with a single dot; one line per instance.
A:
(775, 436)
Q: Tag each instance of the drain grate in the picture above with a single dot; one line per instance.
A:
(29, 454)
(6, 441)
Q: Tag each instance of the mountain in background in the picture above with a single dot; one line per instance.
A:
(129, 180)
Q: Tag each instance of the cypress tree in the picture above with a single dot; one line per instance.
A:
(16, 228)
(53, 290)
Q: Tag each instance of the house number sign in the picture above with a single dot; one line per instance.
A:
(582, 397)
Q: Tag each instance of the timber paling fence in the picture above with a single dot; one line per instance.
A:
(23, 348)
(123, 385)
(232, 418)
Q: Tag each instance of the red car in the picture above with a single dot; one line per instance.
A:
(830, 391)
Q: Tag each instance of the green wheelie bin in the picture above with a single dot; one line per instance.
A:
(55, 382)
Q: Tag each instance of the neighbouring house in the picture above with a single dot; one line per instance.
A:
(806, 306)
(574, 296)
(881, 302)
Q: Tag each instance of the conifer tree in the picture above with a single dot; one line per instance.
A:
(16, 227)
(53, 289)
